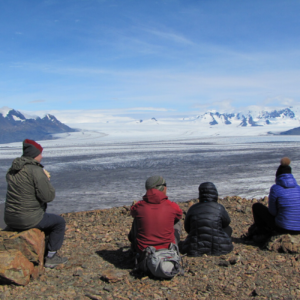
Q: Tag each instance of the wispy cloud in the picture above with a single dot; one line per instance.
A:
(174, 37)
(280, 100)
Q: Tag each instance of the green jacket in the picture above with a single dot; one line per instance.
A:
(28, 191)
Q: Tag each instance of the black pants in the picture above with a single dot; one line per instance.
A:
(266, 222)
(53, 226)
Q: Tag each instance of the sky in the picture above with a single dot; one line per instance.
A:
(158, 57)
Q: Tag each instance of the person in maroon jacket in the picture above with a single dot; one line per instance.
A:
(156, 219)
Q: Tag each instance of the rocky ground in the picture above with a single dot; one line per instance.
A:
(100, 265)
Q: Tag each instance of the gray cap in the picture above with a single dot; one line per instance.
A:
(155, 182)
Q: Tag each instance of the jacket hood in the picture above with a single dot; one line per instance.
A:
(286, 180)
(154, 196)
(208, 192)
(20, 162)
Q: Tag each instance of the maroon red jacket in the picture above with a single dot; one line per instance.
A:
(155, 216)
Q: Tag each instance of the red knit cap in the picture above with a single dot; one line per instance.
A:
(31, 148)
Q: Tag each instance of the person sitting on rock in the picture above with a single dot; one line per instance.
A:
(207, 225)
(283, 212)
(28, 192)
(154, 218)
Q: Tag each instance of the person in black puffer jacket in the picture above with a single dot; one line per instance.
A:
(207, 225)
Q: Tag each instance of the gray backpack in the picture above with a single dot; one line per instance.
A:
(162, 263)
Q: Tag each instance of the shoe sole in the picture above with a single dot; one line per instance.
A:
(53, 265)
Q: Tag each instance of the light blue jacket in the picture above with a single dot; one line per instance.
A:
(284, 202)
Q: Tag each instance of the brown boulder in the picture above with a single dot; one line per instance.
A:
(30, 242)
(284, 243)
(15, 267)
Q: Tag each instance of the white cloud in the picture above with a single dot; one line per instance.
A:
(169, 36)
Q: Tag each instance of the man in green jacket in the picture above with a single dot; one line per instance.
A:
(28, 192)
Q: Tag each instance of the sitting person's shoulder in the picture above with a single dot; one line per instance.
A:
(171, 203)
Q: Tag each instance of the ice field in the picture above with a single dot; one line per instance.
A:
(100, 169)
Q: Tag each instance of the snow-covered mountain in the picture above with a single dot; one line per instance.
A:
(16, 127)
(211, 123)
(250, 118)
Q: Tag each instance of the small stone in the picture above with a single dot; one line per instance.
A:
(223, 263)
(239, 208)
(112, 275)
(233, 260)
(248, 210)
(78, 272)
(107, 289)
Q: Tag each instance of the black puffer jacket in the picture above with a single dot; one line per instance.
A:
(204, 222)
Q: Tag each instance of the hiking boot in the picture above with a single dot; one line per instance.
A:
(54, 261)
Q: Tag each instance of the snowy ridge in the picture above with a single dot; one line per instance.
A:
(250, 118)
(16, 127)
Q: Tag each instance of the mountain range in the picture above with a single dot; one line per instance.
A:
(251, 118)
(286, 117)
(16, 127)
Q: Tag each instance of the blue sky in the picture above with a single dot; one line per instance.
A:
(136, 55)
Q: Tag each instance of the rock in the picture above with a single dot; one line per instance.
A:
(30, 242)
(284, 243)
(113, 275)
(249, 272)
(31, 245)
(248, 210)
(234, 259)
(239, 208)
(126, 208)
(15, 267)
(223, 263)
(78, 272)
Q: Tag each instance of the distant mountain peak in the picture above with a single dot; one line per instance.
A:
(16, 127)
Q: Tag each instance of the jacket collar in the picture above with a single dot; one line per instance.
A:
(154, 196)
(286, 180)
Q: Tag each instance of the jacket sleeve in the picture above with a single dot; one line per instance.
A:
(187, 226)
(273, 201)
(133, 209)
(43, 188)
(177, 211)
(225, 217)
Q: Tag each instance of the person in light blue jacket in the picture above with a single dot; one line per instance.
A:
(283, 212)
